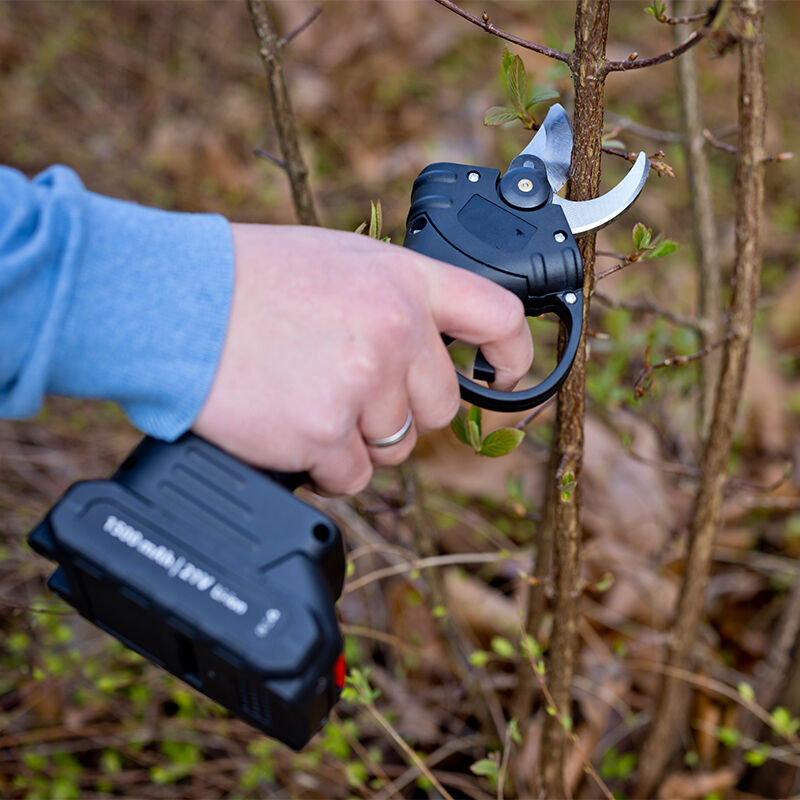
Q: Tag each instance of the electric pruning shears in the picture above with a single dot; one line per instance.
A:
(213, 569)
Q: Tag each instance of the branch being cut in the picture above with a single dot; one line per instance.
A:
(489, 27)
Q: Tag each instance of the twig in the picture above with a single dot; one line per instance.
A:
(656, 160)
(283, 41)
(621, 66)
(424, 563)
(489, 27)
(672, 361)
(627, 260)
(564, 726)
(649, 307)
(732, 148)
(404, 748)
(657, 135)
(501, 776)
(295, 167)
(667, 20)
(278, 162)
(523, 423)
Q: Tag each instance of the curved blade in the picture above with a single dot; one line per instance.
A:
(553, 144)
(585, 216)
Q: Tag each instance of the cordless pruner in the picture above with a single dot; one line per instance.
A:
(213, 569)
(516, 231)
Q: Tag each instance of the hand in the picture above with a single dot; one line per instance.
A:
(333, 337)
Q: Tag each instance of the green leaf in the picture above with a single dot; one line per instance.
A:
(513, 731)
(501, 442)
(783, 722)
(728, 736)
(517, 83)
(755, 758)
(662, 248)
(641, 236)
(605, 583)
(502, 647)
(508, 57)
(473, 431)
(746, 692)
(375, 219)
(541, 96)
(479, 658)
(485, 766)
(474, 415)
(459, 428)
(500, 115)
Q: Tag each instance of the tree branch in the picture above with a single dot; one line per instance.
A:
(622, 66)
(707, 509)
(283, 41)
(295, 167)
(673, 361)
(483, 22)
(648, 307)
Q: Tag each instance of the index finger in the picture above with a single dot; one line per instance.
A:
(475, 310)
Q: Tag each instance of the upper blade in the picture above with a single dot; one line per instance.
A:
(553, 144)
(585, 216)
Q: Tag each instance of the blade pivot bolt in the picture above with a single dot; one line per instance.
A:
(525, 185)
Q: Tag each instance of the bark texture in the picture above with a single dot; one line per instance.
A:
(587, 64)
(669, 718)
(269, 48)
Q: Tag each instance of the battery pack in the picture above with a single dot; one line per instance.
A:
(214, 571)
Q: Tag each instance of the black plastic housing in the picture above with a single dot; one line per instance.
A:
(213, 570)
(475, 219)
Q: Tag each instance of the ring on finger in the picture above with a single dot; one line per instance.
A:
(395, 438)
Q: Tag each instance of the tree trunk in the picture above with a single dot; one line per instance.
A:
(587, 64)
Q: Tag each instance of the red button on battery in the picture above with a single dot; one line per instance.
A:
(339, 671)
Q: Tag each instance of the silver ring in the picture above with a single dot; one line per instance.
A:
(388, 441)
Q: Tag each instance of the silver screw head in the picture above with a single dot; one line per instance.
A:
(571, 298)
(559, 237)
(473, 177)
(525, 185)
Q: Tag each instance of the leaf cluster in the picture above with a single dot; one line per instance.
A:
(521, 97)
(468, 428)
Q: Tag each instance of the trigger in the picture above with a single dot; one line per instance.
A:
(482, 370)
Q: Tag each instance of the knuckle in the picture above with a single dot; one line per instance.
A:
(328, 427)
(510, 315)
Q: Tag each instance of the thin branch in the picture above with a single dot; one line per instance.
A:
(732, 148)
(631, 258)
(278, 162)
(627, 124)
(523, 423)
(570, 734)
(483, 22)
(283, 41)
(270, 51)
(656, 160)
(639, 390)
(648, 307)
(621, 66)
(703, 15)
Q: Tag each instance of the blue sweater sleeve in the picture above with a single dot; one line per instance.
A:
(107, 299)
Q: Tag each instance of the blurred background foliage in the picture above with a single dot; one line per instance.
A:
(162, 103)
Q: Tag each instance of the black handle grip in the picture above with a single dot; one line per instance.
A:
(518, 238)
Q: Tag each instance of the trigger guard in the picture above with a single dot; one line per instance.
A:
(571, 314)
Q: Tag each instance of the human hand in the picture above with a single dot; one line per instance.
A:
(334, 337)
